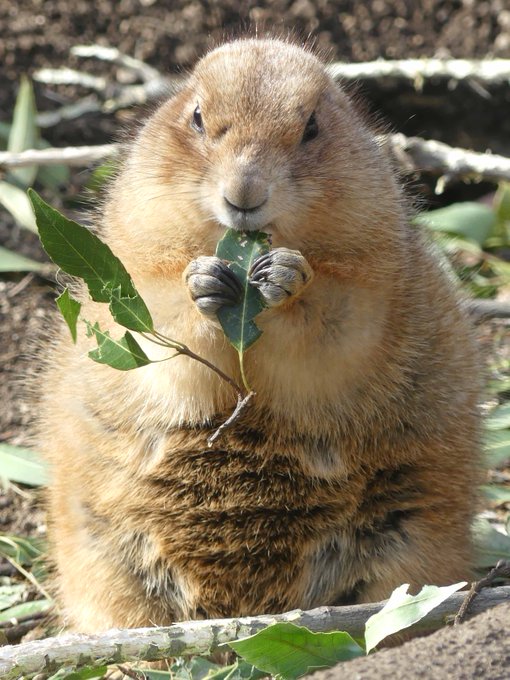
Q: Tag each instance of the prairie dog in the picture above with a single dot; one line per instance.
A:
(354, 469)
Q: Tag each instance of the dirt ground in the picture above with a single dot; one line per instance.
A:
(170, 36)
(479, 648)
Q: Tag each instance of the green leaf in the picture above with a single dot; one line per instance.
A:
(499, 418)
(491, 545)
(241, 249)
(16, 202)
(26, 609)
(472, 221)
(10, 594)
(289, 651)
(70, 310)
(240, 670)
(81, 253)
(85, 673)
(12, 262)
(24, 132)
(497, 447)
(124, 354)
(402, 610)
(22, 466)
(22, 549)
(130, 312)
(498, 493)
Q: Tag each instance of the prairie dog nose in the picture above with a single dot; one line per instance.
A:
(245, 193)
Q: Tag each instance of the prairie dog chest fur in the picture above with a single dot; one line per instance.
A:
(350, 473)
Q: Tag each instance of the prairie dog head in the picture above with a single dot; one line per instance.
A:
(259, 137)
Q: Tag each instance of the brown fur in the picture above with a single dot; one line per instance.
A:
(354, 470)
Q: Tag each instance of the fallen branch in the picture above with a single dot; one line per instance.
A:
(203, 637)
(419, 70)
(413, 154)
(67, 155)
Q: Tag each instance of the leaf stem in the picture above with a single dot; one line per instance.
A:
(180, 348)
(243, 375)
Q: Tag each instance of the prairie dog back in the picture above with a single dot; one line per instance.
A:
(354, 469)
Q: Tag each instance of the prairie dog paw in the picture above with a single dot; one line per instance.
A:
(280, 274)
(211, 284)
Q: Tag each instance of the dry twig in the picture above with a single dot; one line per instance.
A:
(502, 569)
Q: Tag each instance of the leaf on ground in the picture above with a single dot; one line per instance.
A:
(497, 447)
(403, 610)
(85, 673)
(81, 253)
(22, 465)
(499, 418)
(24, 132)
(498, 493)
(23, 549)
(26, 609)
(17, 203)
(124, 354)
(70, 310)
(241, 249)
(240, 670)
(10, 594)
(289, 651)
(12, 262)
(491, 545)
(470, 220)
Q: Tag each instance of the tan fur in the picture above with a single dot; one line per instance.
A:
(354, 470)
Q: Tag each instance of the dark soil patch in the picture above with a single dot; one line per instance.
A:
(479, 648)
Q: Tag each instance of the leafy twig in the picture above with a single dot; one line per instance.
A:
(203, 637)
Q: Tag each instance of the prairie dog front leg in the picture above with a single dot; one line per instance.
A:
(280, 274)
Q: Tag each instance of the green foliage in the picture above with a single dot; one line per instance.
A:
(84, 673)
(477, 230)
(491, 545)
(472, 221)
(12, 262)
(403, 610)
(16, 202)
(22, 465)
(26, 609)
(24, 133)
(288, 651)
(124, 354)
(70, 310)
(79, 252)
(241, 249)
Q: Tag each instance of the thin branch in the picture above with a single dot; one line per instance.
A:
(114, 56)
(67, 155)
(413, 154)
(419, 70)
(501, 570)
(69, 76)
(204, 637)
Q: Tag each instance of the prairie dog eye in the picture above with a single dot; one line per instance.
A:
(311, 129)
(197, 122)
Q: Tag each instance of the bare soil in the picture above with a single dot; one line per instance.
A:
(170, 36)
